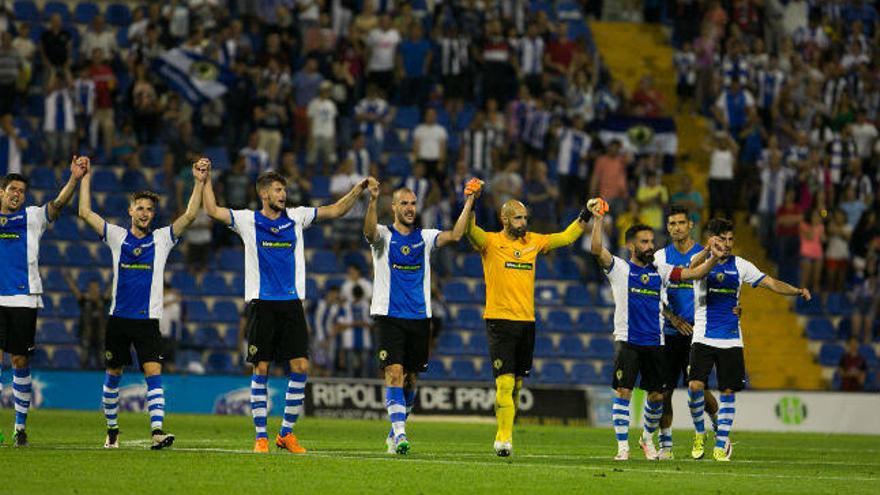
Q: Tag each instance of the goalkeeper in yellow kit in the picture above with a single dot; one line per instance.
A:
(509, 259)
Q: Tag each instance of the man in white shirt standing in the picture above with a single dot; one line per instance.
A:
(322, 119)
(864, 133)
(429, 144)
(381, 49)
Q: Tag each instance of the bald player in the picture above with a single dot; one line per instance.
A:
(509, 259)
(401, 304)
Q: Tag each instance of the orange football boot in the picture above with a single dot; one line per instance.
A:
(290, 443)
(261, 446)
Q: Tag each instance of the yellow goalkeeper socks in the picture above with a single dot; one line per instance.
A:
(504, 407)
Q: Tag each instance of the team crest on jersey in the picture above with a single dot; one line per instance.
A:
(252, 350)
(405, 250)
(137, 251)
(498, 364)
(517, 254)
(645, 278)
(275, 230)
(3, 221)
(383, 355)
(719, 277)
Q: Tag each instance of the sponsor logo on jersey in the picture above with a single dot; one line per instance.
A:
(409, 268)
(9, 235)
(276, 244)
(518, 265)
(644, 292)
(135, 266)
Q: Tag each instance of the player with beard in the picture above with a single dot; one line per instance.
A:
(401, 304)
(20, 286)
(637, 284)
(509, 259)
(274, 287)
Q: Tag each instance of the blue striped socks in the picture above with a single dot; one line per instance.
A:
(21, 393)
(293, 401)
(620, 418)
(653, 411)
(259, 404)
(697, 404)
(666, 438)
(155, 401)
(396, 405)
(726, 412)
(110, 400)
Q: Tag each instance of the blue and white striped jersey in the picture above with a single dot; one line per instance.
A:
(20, 233)
(402, 273)
(715, 296)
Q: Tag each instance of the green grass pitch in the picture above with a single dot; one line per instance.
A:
(212, 456)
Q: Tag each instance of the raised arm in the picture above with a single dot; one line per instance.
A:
(78, 168)
(571, 233)
(461, 225)
(780, 287)
(222, 215)
(85, 204)
(371, 219)
(596, 247)
(475, 234)
(200, 174)
(345, 203)
(702, 269)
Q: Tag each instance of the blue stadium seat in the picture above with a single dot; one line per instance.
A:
(118, 14)
(543, 270)
(820, 329)
(79, 255)
(324, 262)
(457, 292)
(357, 259)
(219, 157)
(544, 347)
(591, 322)
(54, 332)
(839, 304)
(42, 178)
(50, 255)
(478, 344)
(468, 319)
(463, 369)
(844, 328)
(26, 11)
(320, 187)
(40, 359)
(486, 371)
(186, 356)
(122, 38)
(237, 285)
(197, 311)
(84, 12)
(600, 348)
(547, 295)
(65, 229)
(553, 373)
(465, 117)
(398, 165)
(159, 183)
(577, 295)
(812, 307)
(66, 358)
(471, 266)
(54, 279)
(407, 118)
(105, 181)
(585, 374)
(219, 362)
(314, 237)
(607, 370)
(215, 284)
(567, 269)
(116, 204)
(207, 337)
(450, 343)
(226, 311)
(232, 259)
(479, 295)
(59, 8)
(184, 282)
(572, 346)
(68, 307)
(830, 354)
(152, 155)
(230, 337)
(867, 352)
(86, 276)
(559, 321)
(435, 371)
(133, 180)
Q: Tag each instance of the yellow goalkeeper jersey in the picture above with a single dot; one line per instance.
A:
(509, 268)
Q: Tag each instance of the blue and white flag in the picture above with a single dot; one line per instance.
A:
(196, 78)
(641, 134)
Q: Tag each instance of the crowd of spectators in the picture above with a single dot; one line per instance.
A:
(793, 88)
